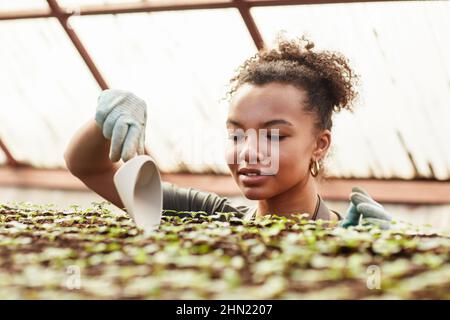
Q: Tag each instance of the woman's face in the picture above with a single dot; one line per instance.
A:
(286, 161)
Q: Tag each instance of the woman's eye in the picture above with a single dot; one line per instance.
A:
(234, 137)
(237, 138)
(275, 136)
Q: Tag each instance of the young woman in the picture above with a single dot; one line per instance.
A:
(293, 89)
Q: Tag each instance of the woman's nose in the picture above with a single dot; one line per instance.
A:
(250, 151)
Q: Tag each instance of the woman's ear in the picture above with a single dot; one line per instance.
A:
(323, 143)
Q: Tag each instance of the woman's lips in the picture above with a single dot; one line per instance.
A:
(254, 180)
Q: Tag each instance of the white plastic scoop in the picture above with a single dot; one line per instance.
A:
(138, 183)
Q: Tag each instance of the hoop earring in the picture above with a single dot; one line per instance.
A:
(315, 168)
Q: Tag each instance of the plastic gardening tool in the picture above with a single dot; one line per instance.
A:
(138, 183)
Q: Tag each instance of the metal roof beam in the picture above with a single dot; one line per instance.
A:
(161, 5)
(244, 10)
(10, 160)
(25, 14)
(418, 192)
(63, 20)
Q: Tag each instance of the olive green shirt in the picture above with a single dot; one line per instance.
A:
(190, 199)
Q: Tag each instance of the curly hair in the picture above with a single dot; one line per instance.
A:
(326, 76)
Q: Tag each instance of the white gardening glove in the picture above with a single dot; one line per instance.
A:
(122, 117)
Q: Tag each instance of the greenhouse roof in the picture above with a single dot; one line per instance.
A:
(180, 62)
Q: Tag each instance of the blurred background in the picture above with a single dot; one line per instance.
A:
(57, 55)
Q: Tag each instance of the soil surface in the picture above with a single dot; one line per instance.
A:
(94, 254)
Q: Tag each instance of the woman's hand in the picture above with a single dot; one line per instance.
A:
(122, 117)
(371, 211)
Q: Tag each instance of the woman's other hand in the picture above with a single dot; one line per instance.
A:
(362, 205)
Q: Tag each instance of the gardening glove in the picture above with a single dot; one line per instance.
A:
(372, 212)
(122, 117)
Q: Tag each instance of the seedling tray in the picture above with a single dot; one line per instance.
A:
(47, 253)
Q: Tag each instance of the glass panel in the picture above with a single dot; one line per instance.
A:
(180, 63)
(13, 5)
(401, 51)
(47, 91)
(74, 3)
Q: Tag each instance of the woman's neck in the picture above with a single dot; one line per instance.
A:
(301, 198)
